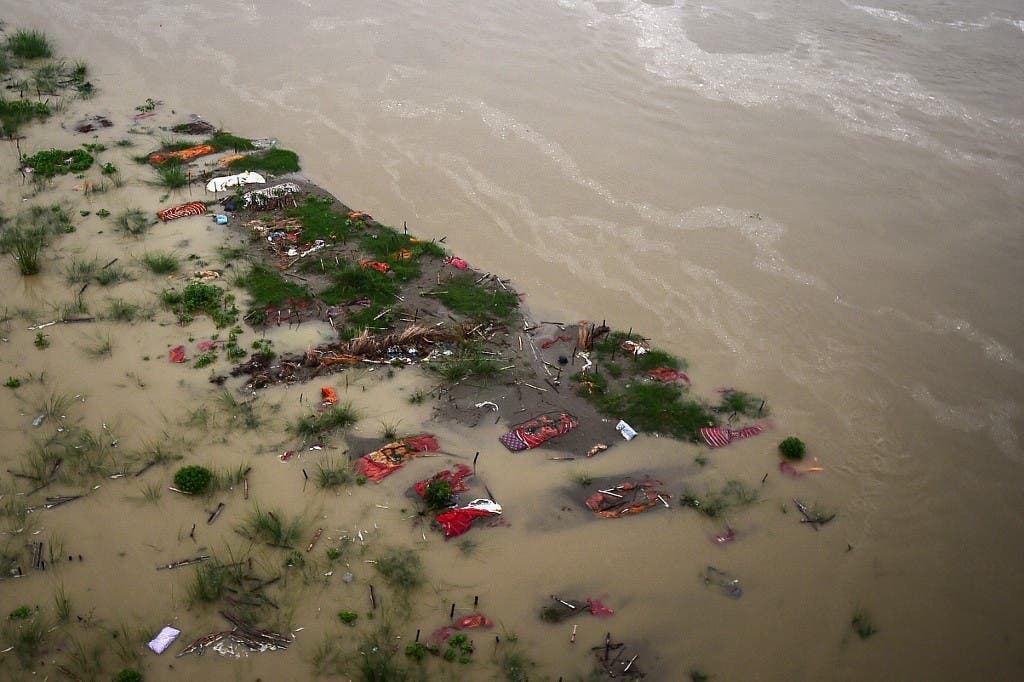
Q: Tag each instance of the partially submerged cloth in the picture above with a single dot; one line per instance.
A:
(457, 521)
(719, 436)
(455, 478)
(627, 498)
(388, 459)
(182, 211)
(538, 430)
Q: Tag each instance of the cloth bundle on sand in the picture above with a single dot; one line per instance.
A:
(455, 478)
(530, 434)
(719, 436)
(388, 459)
(626, 498)
(182, 154)
(182, 211)
(247, 178)
(261, 197)
(457, 521)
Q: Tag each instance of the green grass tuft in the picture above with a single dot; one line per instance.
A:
(227, 142)
(274, 161)
(29, 44)
(272, 528)
(318, 425)
(401, 568)
(462, 294)
(134, 222)
(716, 503)
(160, 263)
(52, 162)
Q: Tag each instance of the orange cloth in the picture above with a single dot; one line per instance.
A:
(375, 264)
(328, 396)
(182, 154)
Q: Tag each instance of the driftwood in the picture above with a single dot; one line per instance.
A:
(253, 638)
(814, 519)
(52, 502)
(184, 562)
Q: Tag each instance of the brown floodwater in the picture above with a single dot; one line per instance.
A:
(819, 206)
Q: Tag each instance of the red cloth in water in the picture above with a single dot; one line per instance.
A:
(455, 478)
(390, 458)
(475, 620)
(598, 609)
(177, 354)
(457, 521)
(456, 262)
(328, 396)
(719, 437)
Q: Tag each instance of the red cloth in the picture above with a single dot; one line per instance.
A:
(598, 609)
(475, 620)
(375, 264)
(667, 374)
(328, 396)
(719, 437)
(456, 262)
(457, 521)
(455, 478)
(536, 431)
(182, 211)
(177, 354)
(390, 458)
(550, 342)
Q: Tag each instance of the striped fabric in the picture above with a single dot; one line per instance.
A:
(261, 197)
(719, 437)
(189, 209)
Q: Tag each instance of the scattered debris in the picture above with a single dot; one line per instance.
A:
(729, 585)
(626, 498)
(538, 430)
(389, 458)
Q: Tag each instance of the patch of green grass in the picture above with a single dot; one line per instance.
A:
(41, 341)
(318, 425)
(467, 360)
(212, 579)
(438, 494)
(267, 288)
(715, 503)
(111, 274)
(320, 221)
(25, 246)
(401, 252)
(378, 657)
(52, 162)
(862, 624)
(134, 222)
(193, 479)
(351, 281)
(332, 475)
(29, 44)
(462, 294)
(792, 448)
(101, 347)
(27, 638)
(199, 297)
(120, 310)
(401, 568)
(274, 161)
(515, 666)
(648, 406)
(160, 263)
(272, 527)
(81, 271)
(739, 402)
(172, 174)
(16, 113)
(227, 142)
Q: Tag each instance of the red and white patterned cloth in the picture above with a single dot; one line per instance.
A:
(719, 437)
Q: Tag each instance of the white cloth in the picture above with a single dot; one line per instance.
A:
(221, 184)
(164, 639)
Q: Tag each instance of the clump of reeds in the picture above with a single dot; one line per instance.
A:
(29, 44)
(312, 426)
(468, 360)
(25, 245)
(402, 569)
(715, 503)
(134, 222)
(172, 174)
(862, 624)
(273, 528)
(160, 263)
(332, 475)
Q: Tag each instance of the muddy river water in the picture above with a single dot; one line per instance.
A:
(820, 203)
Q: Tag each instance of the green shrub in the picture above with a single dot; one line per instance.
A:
(792, 448)
(438, 494)
(47, 164)
(192, 479)
(348, 617)
(128, 675)
(29, 44)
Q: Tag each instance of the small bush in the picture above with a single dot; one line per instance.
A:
(348, 617)
(862, 625)
(160, 263)
(192, 479)
(274, 161)
(133, 222)
(128, 675)
(792, 448)
(29, 44)
(438, 494)
(52, 162)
